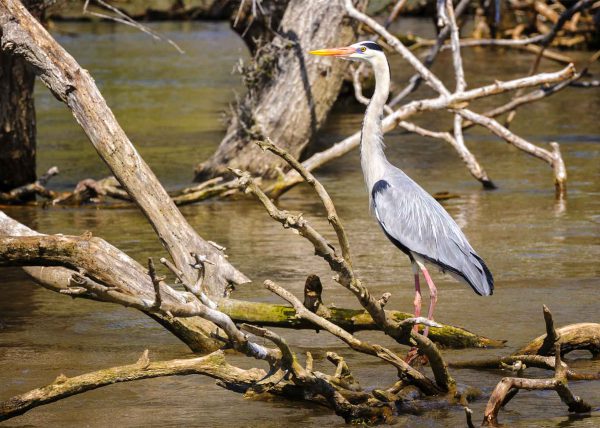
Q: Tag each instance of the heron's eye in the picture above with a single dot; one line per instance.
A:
(363, 49)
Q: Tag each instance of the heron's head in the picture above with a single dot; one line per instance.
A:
(361, 51)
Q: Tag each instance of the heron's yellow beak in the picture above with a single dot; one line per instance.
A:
(334, 51)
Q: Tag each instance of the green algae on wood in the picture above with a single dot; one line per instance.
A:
(352, 320)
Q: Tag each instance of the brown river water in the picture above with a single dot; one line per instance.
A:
(540, 251)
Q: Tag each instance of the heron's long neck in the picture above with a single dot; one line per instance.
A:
(372, 158)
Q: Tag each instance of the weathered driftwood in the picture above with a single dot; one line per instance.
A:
(212, 365)
(24, 37)
(573, 337)
(354, 404)
(402, 332)
(289, 92)
(27, 191)
(508, 387)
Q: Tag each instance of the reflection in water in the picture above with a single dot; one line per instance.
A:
(170, 106)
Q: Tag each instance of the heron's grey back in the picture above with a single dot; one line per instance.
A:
(416, 222)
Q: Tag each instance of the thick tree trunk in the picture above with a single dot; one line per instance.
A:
(17, 123)
(289, 92)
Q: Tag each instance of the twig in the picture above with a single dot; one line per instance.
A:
(127, 20)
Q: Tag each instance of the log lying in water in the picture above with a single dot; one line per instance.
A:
(351, 320)
(94, 255)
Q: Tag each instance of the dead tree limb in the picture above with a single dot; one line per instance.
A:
(390, 122)
(345, 276)
(552, 158)
(25, 192)
(351, 320)
(446, 100)
(582, 336)
(404, 370)
(212, 365)
(24, 36)
(502, 393)
(132, 278)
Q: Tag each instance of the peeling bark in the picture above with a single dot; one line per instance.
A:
(289, 92)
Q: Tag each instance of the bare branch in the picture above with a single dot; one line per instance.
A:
(391, 121)
(212, 365)
(323, 195)
(404, 370)
(501, 394)
(123, 18)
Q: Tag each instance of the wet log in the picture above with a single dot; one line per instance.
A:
(107, 265)
(572, 337)
(212, 365)
(582, 336)
(289, 92)
(23, 37)
(351, 320)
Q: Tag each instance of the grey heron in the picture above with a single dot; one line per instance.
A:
(409, 216)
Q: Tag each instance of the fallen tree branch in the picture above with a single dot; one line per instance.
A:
(552, 158)
(391, 121)
(351, 320)
(401, 332)
(21, 193)
(404, 370)
(212, 365)
(582, 336)
(509, 386)
(24, 36)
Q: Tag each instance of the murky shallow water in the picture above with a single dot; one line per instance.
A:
(540, 251)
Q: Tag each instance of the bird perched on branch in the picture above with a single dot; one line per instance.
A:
(411, 218)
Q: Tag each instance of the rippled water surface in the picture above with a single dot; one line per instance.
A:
(541, 251)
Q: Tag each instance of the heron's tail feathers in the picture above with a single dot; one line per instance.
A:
(479, 277)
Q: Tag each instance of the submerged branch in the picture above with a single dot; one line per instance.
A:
(508, 387)
(212, 365)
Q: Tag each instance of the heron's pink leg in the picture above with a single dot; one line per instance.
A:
(432, 294)
(412, 354)
(417, 301)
